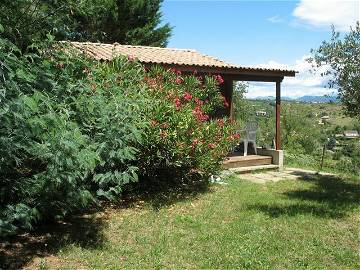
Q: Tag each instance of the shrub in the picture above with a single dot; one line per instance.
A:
(185, 139)
(300, 134)
(74, 131)
(350, 159)
(69, 128)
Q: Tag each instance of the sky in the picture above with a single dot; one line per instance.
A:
(262, 33)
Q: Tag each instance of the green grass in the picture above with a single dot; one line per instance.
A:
(307, 224)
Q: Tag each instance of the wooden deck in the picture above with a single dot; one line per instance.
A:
(236, 161)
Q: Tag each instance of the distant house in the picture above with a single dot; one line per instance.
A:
(325, 119)
(261, 113)
(351, 134)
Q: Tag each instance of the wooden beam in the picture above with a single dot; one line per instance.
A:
(245, 74)
(278, 109)
(231, 102)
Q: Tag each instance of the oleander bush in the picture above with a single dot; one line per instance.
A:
(186, 138)
(74, 131)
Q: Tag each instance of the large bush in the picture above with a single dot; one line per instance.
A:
(68, 131)
(186, 139)
(74, 131)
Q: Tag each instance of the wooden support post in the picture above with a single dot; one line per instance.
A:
(278, 109)
(231, 103)
(227, 91)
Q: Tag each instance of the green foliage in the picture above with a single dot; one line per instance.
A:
(242, 108)
(299, 133)
(350, 158)
(183, 140)
(127, 22)
(343, 57)
(69, 128)
(303, 138)
(74, 131)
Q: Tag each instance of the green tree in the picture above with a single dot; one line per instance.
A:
(136, 22)
(133, 22)
(342, 54)
(241, 105)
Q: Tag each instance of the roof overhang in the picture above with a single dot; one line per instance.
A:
(184, 60)
(237, 74)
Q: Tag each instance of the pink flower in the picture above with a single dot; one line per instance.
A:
(187, 96)
(173, 70)
(164, 125)
(195, 142)
(220, 122)
(195, 72)
(211, 146)
(200, 116)
(204, 118)
(178, 72)
(131, 58)
(226, 103)
(179, 80)
(196, 110)
(234, 137)
(199, 102)
(219, 79)
(177, 103)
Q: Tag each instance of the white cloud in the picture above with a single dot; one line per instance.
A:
(304, 83)
(323, 13)
(275, 19)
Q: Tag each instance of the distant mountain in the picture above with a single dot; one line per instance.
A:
(306, 99)
(319, 99)
(263, 98)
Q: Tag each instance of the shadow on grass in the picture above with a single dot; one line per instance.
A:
(162, 193)
(328, 196)
(85, 231)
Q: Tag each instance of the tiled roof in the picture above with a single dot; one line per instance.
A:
(150, 55)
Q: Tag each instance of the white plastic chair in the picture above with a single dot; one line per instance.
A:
(250, 136)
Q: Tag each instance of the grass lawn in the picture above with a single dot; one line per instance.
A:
(306, 224)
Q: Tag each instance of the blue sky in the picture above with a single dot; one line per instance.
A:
(261, 33)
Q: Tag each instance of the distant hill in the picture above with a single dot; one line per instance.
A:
(306, 99)
(319, 99)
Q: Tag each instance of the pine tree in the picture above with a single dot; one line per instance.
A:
(133, 22)
(136, 22)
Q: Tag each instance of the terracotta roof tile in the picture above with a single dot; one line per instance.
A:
(170, 56)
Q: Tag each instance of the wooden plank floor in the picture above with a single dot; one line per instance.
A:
(246, 161)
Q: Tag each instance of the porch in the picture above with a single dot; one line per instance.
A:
(265, 159)
(191, 62)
